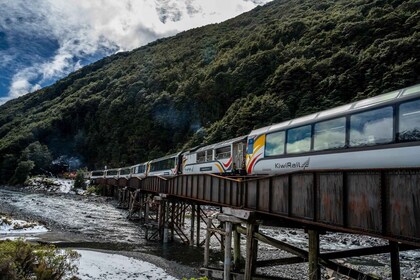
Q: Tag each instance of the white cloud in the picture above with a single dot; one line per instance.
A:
(83, 28)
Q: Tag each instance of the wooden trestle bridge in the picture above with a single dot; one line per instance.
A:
(380, 203)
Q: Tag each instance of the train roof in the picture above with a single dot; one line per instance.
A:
(166, 157)
(143, 163)
(390, 97)
(221, 144)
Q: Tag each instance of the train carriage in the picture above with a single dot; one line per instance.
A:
(124, 172)
(165, 166)
(224, 157)
(379, 132)
(112, 173)
(96, 174)
(139, 170)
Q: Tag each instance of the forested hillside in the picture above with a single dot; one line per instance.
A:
(282, 60)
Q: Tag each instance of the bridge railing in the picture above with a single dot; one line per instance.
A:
(155, 184)
(210, 188)
(381, 202)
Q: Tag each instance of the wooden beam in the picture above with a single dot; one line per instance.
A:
(280, 245)
(198, 225)
(228, 251)
(236, 249)
(346, 270)
(192, 232)
(239, 213)
(228, 218)
(251, 251)
(217, 273)
(313, 260)
(283, 261)
(395, 260)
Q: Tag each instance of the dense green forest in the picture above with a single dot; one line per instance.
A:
(276, 62)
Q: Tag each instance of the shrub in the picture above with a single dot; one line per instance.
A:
(22, 260)
(22, 172)
(79, 181)
(94, 190)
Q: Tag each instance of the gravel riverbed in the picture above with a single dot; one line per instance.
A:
(96, 223)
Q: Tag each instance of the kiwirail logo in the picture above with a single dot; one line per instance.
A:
(290, 164)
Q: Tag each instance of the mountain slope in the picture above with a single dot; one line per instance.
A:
(279, 61)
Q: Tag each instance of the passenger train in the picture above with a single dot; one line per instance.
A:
(379, 132)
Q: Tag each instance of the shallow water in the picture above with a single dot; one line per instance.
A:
(90, 222)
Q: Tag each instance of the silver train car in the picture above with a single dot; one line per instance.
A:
(379, 132)
(223, 158)
(166, 166)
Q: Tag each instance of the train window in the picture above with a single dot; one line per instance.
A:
(222, 153)
(209, 155)
(274, 143)
(97, 173)
(139, 169)
(371, 127)
(409, 126)
(250, 146)
(330, 134)
(112, 172)
(125, 171)
(299, 139)
(201, 157)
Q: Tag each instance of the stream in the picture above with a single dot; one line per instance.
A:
(95, 223)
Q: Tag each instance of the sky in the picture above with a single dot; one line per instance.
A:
(44, 40)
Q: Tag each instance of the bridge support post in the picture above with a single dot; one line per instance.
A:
(314, 268)
(395, 260)
(192, 231)
(207, 244)
(236, 248)
(228, 251)
(198, 224)
(251, 251)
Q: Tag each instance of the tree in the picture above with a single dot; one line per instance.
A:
(22, 172)
(79, 182)
(39, 155)
(7, 167)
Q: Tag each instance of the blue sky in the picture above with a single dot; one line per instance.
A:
(45, 40)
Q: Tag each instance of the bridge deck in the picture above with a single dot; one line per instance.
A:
(383, 203)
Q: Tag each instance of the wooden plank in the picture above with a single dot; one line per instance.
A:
(207, 244)
(330, 198)
(264, 194)
(346, 270)
(251, 194)
(283, 261)
(403, 211)
(228, 251)
(313, 259)
(201, 186)
(364, 201)
(395, 261)
(251, 251)
(302, 195)
(239, 213)
(280, 195)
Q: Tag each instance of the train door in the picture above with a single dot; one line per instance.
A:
(238, 155)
